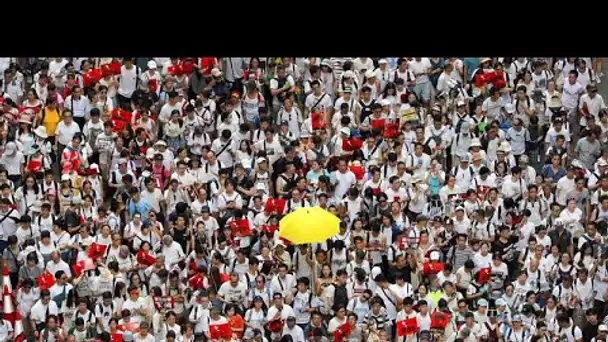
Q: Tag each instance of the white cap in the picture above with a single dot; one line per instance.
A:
(434, 255)
(460, 103)
(459, 208)
(215, 72)
(385, 103)
(10, 148)
(94, 166)
(510, 108)
(475, 143)
(345, 130)
(260, 160)
(65, 178)
(160, 143)
(349, 74)
(151, 65)
(383, 61)
(370, 74)
(260, 186)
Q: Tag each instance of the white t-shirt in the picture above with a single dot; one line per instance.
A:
(492, 108)
(570, 94)
(233, 294)
(133, 306)
(128, 80)
(321, 102)
(344, 182)
(65, 133)
(419, 67)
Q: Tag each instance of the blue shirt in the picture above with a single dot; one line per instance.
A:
(555, 176)
(142, 207)
(471, 63)
(312, 176)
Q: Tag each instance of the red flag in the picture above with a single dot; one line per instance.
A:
(224, 277)
(275, 325)
(407, 326)
(145, 259)
(207, 64)
(116, 337)
(270, 229)
(106, 70)
(175, 70)
(220, 331)
(152, 84)
(187, 65)
(432, 267)
(391, 131)
(90, 77)
(45, 281)
(479, 80)
(197, 282)
(275, 204)
(96, 250)
(240, 227)
(318, 120)
(484, 275)
(358, 170)
(377, 123)
(343, 331)
(439, 320)
(115, 66)
(351, 144)
(77, 269)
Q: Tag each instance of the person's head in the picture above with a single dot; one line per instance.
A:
(563, 320)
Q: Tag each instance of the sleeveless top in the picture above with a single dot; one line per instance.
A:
(602, 215)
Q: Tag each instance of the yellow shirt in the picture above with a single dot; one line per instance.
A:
(50, 120)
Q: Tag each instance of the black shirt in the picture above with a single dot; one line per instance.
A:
(506, 249)
(145, 98)
(590, 331)
(245, 183)
(406, 271)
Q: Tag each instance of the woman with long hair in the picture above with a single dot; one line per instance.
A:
(27, 194)
(390, 93)
(254, 72)
(32, 102)
(173, 131)
(255, 316)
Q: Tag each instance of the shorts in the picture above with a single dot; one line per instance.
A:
(423, 91)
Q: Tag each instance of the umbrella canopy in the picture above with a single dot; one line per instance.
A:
(308, 225)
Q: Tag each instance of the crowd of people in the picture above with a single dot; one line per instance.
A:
(141, 199)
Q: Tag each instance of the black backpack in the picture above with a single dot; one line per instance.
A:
(340, 295)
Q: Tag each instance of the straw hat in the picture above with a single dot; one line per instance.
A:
(25, 119)
(40, 131)
(504, 147)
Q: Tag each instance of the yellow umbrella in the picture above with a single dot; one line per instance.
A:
(308, 225)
